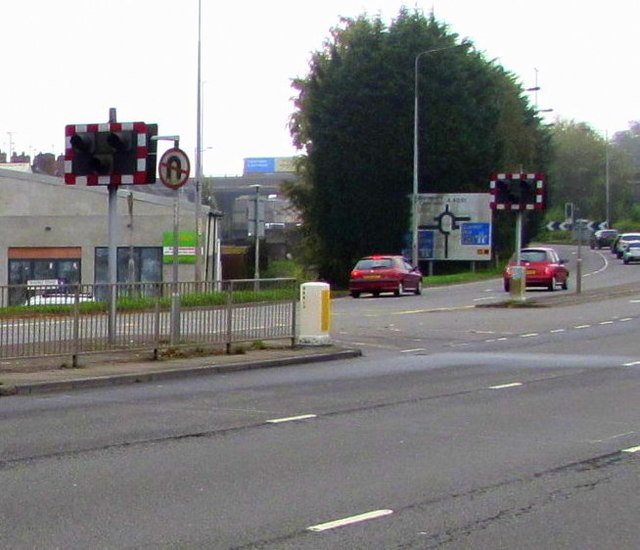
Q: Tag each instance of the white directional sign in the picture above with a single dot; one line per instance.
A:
(454, 226)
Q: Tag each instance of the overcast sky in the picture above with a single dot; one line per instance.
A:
(69, 61)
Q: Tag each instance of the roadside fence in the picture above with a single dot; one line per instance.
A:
(56, 319)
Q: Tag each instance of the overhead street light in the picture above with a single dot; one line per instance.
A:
(414, 197)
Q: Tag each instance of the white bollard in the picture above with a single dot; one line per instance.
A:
(315, 314)
(518, 283)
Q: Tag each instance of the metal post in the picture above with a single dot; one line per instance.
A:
(175, 292)
(414, 195)
(607, 182)
(579, 258)
(256, 266)
(518, 235)
(198, 198)
(113, 249)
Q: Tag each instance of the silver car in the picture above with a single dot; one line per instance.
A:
(631, 252)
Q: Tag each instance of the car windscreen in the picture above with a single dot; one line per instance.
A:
(374, 263)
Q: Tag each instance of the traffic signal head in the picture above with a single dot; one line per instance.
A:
(107, 154)
(517, 192)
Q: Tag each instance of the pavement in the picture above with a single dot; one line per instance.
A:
(40, 375)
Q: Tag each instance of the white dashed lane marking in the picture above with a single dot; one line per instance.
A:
(349, 521)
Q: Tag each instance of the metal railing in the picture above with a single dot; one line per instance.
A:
(74, 319)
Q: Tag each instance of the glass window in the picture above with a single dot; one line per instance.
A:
(144, 266)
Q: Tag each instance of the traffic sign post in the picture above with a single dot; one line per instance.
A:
(517, 192)
(173, 169)
(112, 154)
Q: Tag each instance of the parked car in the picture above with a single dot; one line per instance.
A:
(621, 240)
(384, 273)
(543, 267)
(57, 299)
(631, 252)
(603, 238)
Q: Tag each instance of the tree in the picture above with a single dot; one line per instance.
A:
(578, 171)
(354, 119)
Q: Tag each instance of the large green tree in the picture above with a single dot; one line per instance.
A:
(584, 164)
(354, 121)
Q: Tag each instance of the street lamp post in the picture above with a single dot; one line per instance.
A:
(414, 196)
(198, 182)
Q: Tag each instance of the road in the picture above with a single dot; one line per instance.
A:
(482, 428)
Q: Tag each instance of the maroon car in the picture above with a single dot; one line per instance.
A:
(542, 266)
(384, 273)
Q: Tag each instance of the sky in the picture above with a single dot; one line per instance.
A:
(70, 61)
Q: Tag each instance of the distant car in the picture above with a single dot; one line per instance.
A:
(57, 299)
(631, 252)
(603, 238)
(543, 267)
(384, 273)
(621, 240)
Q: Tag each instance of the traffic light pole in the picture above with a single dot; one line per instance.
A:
(113, 248)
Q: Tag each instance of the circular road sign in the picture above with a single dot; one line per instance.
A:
(174, 168)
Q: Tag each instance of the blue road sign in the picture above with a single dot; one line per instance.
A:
(475, 233)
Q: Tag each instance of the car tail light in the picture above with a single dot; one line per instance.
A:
(356, 274)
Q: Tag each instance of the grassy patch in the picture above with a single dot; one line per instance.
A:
(457, 278)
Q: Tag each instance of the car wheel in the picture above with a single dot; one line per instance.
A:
(355, 294)
(418, 289)
(506, 285)
(400, 290)
(552, 284)
(376, 293)
(565, 284)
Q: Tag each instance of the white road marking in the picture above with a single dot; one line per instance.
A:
(505, 386)
(631, 450)
(611, 438)
(582, 326)
(606, 323)
(529, 335)
(555, 331)
(349, 521)
(291, 418)
(631, 364)
(412, 350)
(626, 319)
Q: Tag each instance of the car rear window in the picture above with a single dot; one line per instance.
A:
(371, 263)
(533, 256)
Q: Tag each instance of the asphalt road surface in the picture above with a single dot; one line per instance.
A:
(461, 427)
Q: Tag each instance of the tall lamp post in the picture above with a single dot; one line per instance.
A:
(414, 197)
(198, 182)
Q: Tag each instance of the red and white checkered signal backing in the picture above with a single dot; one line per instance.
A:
(142, 150)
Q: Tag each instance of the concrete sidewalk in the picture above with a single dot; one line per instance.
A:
(38, 376)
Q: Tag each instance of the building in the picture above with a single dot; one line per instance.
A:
(57, 231)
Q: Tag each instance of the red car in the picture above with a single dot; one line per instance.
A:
(384, 273)
(542, 266)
